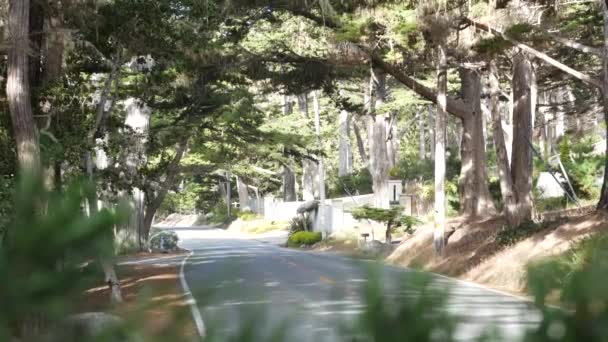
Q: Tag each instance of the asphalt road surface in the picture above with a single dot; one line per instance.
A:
(247, 286)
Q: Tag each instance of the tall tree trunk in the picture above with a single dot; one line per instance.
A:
(475, 197)
(603, 202)
(36, 37)
(310, 169)
(379, 163)
(171, 177)
(360, 144)
(310, 180)
(378, 155)
(421, 135)
(502, 159)
(345, 155)
(18, 88)
(53, 44)
(317, 110)
(287, 105)
(524, 105)
(241, 188)
(303, 104)
(138, 120)
(106, 264)
(289, 185)
(390, 118)
(440, 136)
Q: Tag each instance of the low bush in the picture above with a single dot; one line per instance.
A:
(550, 204)
(219, 214)
(164, 240)
(246, 215)
(508, 236)
(304, 238)
(357, 183)
(299, 224)
(579, 277)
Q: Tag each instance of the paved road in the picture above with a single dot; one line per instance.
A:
(238, 281)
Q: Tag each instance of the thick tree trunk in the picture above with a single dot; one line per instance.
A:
(18, 88)
(303, 104)
(287, 105)
(378, 160)
(360, 144)
(310, 180)
(289, 185)
(502, 160)
(107, 265)
(53, 44)
(36, 27)
(376, 136)
(390, 122)
(241, 188)
(475, 198)
(524, 105)
(603, 202)
(440, 166)
(138, 120)
(345, 155)
(317, 109)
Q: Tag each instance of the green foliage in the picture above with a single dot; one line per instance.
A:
(164, 240)
(579, 277)
(357, 183)
(408, 223)
(299, 223)
(304, 238)
(247, 215)
(420, 317)
(479, 9)
(509, 236)
(550, 204)
(490, 46)
(377, 214)
(417, 169)
(219, 213)
(393, 217)
(582, 165)
(184, 201)
(41, 257)
(7, 193)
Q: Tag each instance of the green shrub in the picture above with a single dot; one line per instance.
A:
(7, 191)
(247, 215)
(304, 238)
(550, 204)
(509, 236)
(299, 224)
(393, 218)
(579, 278)
(358, 182)
(219, 213)
(582, 165)
(165, 240)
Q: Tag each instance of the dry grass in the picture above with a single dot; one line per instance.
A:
(473, 254)
(257, 226)
(153, 300)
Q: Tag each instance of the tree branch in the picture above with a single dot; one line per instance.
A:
(544, 57)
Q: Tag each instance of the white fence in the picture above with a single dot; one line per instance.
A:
(336, 211)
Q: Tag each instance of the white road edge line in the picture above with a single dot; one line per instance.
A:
(196, 313)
